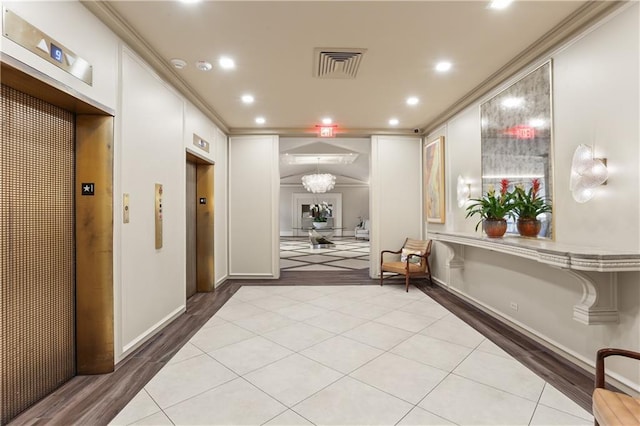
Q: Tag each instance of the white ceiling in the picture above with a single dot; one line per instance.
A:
(273, 43)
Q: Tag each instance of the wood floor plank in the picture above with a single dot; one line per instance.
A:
(96, 400)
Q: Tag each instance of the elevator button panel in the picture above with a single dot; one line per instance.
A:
(158, 214)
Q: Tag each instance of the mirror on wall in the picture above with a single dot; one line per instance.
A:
(516, 139)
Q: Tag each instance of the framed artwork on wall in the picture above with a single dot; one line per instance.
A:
(433, 170)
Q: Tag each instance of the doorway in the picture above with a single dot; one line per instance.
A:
(200, 273)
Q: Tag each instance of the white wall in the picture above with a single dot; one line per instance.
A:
(254, 193)
(152, 151)
(595, 101)
(221, 200)
(396, 188)
(596, 85)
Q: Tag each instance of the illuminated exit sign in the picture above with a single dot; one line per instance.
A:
(326, 131)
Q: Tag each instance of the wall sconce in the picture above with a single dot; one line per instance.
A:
(463, 190)
(587, 173)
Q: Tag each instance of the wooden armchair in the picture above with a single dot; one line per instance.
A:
(414, 260)
(613, 408)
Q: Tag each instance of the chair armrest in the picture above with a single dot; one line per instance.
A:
(602, 354)
(388, 251)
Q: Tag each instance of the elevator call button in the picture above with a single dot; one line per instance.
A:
(158, 215)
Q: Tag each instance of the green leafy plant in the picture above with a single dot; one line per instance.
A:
(494, 205)
(528, 204)
(320, 212)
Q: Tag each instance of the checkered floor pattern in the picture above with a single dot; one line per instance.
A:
(296, 254)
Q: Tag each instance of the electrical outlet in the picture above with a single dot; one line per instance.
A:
(514, 306)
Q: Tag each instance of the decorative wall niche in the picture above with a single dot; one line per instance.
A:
(516, 135)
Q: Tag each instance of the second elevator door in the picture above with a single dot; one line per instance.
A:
(191, 229)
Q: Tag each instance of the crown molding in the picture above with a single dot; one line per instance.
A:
(107, 14)
(308, 133)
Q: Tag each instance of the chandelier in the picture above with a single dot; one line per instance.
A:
(319, 183)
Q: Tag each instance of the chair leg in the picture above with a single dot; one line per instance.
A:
(406, 279)
(429, 272)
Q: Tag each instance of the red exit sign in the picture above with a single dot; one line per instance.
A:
(326, 131)
(521, 132)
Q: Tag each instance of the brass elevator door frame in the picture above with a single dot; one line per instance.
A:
(191, 219)
(204, 200)
(93, 319)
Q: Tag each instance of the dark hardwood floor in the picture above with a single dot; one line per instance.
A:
(95, 400)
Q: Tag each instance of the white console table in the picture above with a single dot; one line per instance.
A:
(599, 302)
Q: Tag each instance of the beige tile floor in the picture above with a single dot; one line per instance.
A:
(344, 355)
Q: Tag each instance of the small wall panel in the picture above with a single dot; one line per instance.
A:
(37, 352)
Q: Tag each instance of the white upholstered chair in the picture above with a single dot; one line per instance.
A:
(362, 231)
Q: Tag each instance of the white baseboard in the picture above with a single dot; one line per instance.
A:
(252, 277)
(150, 332)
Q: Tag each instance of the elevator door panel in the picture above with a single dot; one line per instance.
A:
(37, 352)
(191, 229)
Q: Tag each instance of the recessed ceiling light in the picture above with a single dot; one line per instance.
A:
(394, 121)
(247, 99)
(189, 1)
(226, 63)
(412, 100)
(203, 65)
(443, 66)
(260, 120)
(499, 4)
(327, 120)
(178, 63)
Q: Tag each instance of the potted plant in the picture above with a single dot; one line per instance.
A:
(492, 209)
(528, 205)
(320, 212)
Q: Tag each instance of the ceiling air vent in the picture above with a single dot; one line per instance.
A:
(337, 63)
